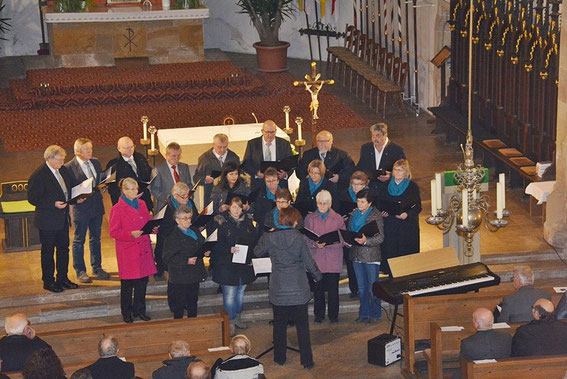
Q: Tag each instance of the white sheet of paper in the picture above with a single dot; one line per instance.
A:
(220, 348)
(481, 361)
(499, 308)
(262, 265)
(241, 254)
(451, 328)
(85, 188)
(560, 289)
(159, 215)
(500, 325)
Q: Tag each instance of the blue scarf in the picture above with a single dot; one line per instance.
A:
(283, 227)
(352, 194)
(359, 219)
(276, 216)
(174, 202)
(314, 187)
(133, 203)
(398, 189)
(269, 195)
(189, 232)
(323, 215)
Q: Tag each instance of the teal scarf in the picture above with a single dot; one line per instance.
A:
(323, 215)
(398, 189)
(189, 232)
(269, 195)
(359, 219)
(174, 202)
(352, 194)
(314, 187)
(133, 203)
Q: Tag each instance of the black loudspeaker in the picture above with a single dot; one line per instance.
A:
(384, 349)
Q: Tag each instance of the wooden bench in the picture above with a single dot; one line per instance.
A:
(140, 341)
(544, 367)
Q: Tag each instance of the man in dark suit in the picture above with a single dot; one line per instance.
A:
(168, 173)
(337, 162)
(109, 366)
(544, 335)
(265, 148)
(381, 153)
(130, 164)
(49, 187)
(485, 343)
(517, 307)
(88, 214)
(213, 160)
(19, 343)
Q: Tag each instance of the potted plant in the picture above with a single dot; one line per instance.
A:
(267, 17)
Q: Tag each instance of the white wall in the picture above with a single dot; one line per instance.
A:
(25, 34)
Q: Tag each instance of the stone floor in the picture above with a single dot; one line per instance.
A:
(339, 350)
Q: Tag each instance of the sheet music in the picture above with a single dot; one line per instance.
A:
(213, 237)
(481, 361)
(220, 348)
(262, 265)
(560, 289)
(241, 254)
(451, 328)
(108, 175)
(85, 188)
(500, 325)
(160, 214)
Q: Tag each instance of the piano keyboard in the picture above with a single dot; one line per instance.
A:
(449, 286)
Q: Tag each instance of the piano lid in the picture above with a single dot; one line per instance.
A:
(424, 261)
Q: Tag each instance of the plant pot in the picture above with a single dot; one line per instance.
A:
(271, 58)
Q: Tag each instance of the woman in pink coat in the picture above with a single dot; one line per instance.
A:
(329, 258)
(133, 250)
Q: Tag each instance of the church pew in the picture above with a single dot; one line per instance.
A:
(446, 310)
(548, 367)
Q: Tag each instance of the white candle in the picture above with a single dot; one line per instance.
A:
(153, 141)
(299, 132)
(502, 181)
(465, 204)
(438, 192)
(499, 207)
(286, 120)
(474, 194)
(433, 198)
(145, 130)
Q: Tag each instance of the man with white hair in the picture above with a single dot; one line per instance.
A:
(485, 343)
(19, 343)
(109, 366)
(179, 359)
(517, 307)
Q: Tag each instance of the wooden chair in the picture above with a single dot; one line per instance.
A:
(335, 52)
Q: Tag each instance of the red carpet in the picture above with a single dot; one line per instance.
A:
(104, 103)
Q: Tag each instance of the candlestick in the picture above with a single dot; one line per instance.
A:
(153, 131)
(438, 197)
(502, 180)
(286, 110)
(144, 120)
(434, 206)
(299, 121)
(465, 199)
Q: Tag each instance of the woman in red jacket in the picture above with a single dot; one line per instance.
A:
(133, 250)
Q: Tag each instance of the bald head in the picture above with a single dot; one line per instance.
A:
(269, 130)
(198, 370)
(543, 309)
(483, 319)
(16, 324)
(126, 146)
(108, 347)
(324, 141)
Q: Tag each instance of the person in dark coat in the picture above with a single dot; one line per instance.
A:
(179, 359)
(380, 154)
(401, 232)
(184, 260)
(49, 188)
(240, 365)
(289, 291)
(130, 164)
(88, 214)
(19, 342)
(367, 256)
(213, 160)
(283, 200)
(43, 363)
(544, 335)
(179, 196)
(109, 366)
(234, 228)
(309, 188)
(336, 160)
(231, 181)
(266, 199)
(486, 343)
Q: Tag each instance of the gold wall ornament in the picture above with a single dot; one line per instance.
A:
(228, 120)
(514, 60)
(528, 67)
(500, 53)
(543, 75)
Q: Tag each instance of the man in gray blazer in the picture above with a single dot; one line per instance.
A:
(517, 307)
(168, 173)
(213, 160)
(485, 343)
(88, 214)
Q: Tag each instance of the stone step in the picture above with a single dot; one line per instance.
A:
(522, 257)
(543, 270)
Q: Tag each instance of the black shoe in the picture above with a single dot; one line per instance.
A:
(67, 284)
(318, 320)
(353, 295)
(334, 320)
(309, 366)
(143, 317)
(52, 287)
(128, 319)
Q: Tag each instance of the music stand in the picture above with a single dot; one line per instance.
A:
(439, 60)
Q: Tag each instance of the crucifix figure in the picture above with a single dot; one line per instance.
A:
(313, 85)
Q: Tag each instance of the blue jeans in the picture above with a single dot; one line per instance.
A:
(366, 274)
(93, 225)
(232, 298)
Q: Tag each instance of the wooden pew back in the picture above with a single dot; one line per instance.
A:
(548, 367)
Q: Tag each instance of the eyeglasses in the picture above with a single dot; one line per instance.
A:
(282, 201)
(186, 196)
(271, 180)
(324, 140)
(184, 218)
(269, 132)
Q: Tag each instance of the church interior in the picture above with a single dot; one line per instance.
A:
(202, 70)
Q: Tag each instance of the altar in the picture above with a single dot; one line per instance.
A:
(104, 34)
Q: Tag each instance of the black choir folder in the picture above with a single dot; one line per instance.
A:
(285, 164)
(327, 238)
(369, 230)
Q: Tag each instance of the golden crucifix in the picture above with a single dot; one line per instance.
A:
(313, 85)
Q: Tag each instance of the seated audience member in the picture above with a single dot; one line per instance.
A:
(82, 373)
(109, 365)
(485, 343)
(198, 370)
(517, 307)
(561, 310)
(179, 359)
(240, 365)
(43, 364)
(2, 376)
(544, 335)
(19, 343)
